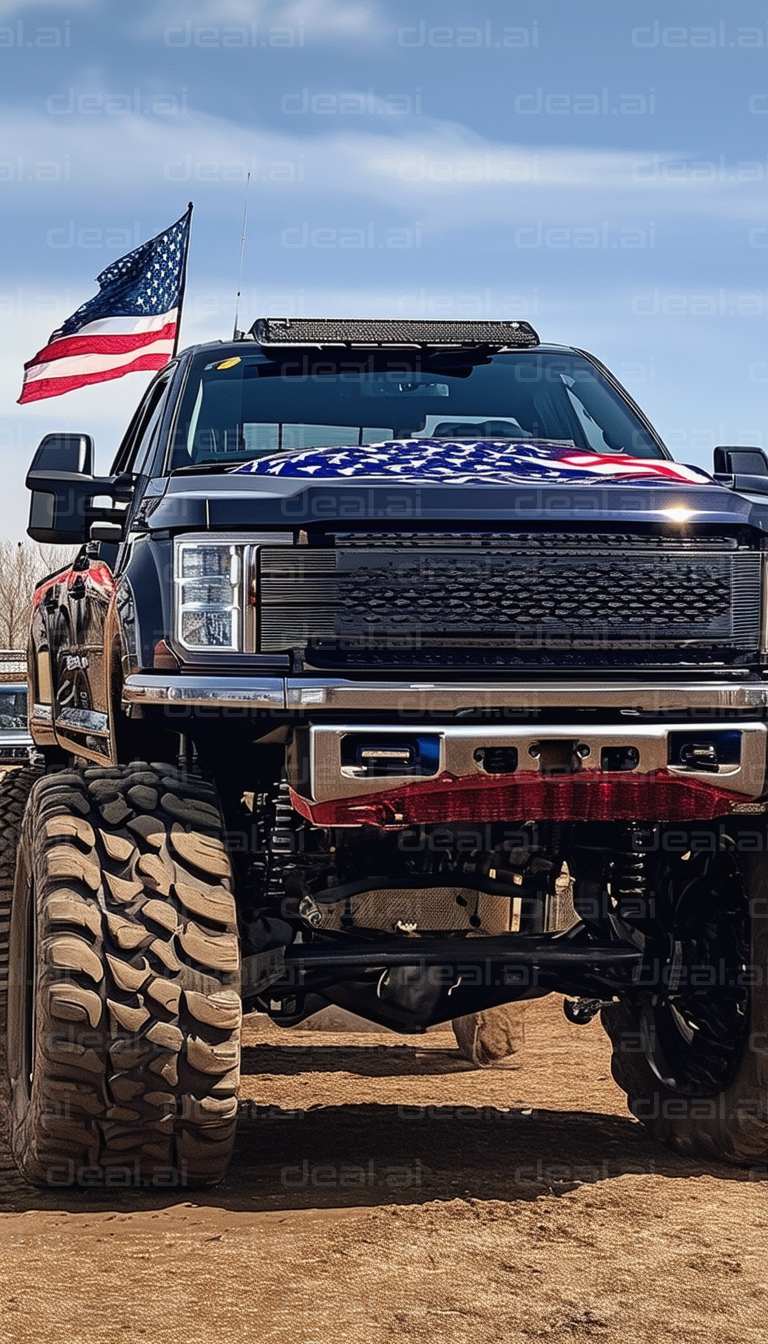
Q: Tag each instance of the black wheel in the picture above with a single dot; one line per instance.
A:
(124, 1007)
(15, 787)
(690, 1047)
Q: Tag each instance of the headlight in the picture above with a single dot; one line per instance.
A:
(215, 582)
(209, 595)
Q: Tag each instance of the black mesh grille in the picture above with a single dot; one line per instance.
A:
(566, 592)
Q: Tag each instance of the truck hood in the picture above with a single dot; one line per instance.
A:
(464, 462)
(417, 481)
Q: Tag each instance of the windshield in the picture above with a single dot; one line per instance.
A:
(13, 708)
(240, 408)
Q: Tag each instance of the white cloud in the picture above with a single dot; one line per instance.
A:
(311, 21)
(436, 171)
(334, 18)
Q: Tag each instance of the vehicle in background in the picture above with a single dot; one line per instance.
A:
(16, 745)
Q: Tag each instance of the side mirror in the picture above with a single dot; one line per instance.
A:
(742, 469)
(63, 489)
(72, 453)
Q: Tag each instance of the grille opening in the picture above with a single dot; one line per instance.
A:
(394, 597)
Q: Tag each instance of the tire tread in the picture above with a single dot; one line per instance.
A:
(117, 945)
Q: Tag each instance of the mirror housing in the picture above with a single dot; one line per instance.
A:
(743, 469)
(72, 453)
(63, 489)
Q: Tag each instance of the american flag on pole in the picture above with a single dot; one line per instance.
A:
(130, 325)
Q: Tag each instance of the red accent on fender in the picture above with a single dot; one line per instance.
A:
(97, 572)
(63, 576)
(590, 795)
(102, 576)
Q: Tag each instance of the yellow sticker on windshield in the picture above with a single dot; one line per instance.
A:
(229, 363)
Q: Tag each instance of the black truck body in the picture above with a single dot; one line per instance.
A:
(480, 686)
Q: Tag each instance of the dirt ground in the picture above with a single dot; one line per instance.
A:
(383, 1189)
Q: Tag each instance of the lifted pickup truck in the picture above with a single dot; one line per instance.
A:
(406, 672)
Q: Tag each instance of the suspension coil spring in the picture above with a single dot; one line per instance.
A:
(282, 837)
(282, 841)
(630, 879)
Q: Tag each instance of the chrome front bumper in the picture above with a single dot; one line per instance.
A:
(426, 697)
(316, 769)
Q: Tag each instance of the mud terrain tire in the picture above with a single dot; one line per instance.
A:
(124, 1006)
(728, 1125)
(15, 788)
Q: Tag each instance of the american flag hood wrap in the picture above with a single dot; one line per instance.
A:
(482, 462)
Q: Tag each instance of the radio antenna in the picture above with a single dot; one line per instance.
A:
(235, 332)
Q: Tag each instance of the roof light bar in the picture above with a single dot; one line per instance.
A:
(291, 331)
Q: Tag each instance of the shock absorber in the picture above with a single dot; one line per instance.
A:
(289, 865)
(612, 896)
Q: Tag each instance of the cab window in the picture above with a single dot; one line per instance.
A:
(141, 439)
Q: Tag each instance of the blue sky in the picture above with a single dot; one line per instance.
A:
(599, 168)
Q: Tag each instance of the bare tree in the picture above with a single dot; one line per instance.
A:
(22, 565)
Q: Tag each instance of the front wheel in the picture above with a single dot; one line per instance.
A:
(690, 1046)
(124, 1008)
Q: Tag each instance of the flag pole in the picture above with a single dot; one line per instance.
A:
(183, 286)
